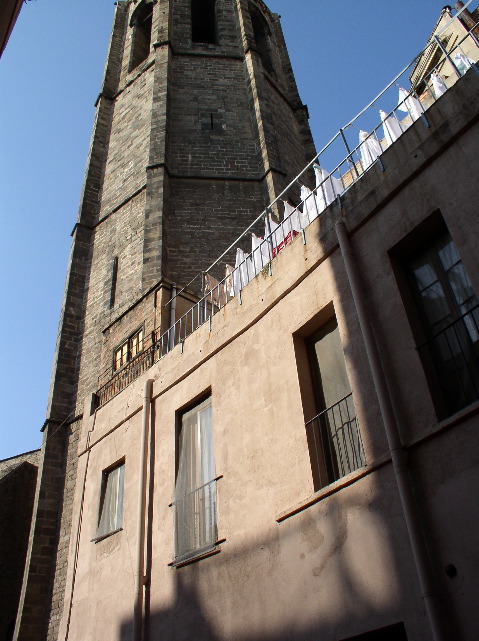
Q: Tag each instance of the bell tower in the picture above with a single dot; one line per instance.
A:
(199, 125)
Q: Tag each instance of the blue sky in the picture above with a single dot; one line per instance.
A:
(343, 54)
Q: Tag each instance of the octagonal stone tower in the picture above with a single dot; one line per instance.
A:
(199, 125)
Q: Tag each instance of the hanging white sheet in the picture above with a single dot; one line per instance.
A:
(327, 187)
(292, 219)
(229, 283)
(243, 270)
(369, 149)
(438, 85)
(260, 253)
(410, 104)
(391, 126)
(462, 62)
(310, 208)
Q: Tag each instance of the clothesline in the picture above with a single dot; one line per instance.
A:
(327, 189)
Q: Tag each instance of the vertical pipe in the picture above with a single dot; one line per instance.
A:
(140, 532)
(398, 455)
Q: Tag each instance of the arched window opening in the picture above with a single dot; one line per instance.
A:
(141, 22)
(203, 21)
(262, 37)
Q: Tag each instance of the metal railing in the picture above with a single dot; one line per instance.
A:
(302, 203)
(195, 521)
(335, 442)
(451, 359)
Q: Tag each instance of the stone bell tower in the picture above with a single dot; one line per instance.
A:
(199, 125)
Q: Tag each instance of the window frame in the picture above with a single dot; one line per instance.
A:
(195, 10)
(128, 343)
(103, 497)
(326, 468)
(421, 241)
(142, 13)
(184, 557)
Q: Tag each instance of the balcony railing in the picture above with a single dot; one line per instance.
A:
(451, 360)
(195, 518)
(302, 204)
(335, 442)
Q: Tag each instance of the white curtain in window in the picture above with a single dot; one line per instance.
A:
(195, 492)
(112, 503)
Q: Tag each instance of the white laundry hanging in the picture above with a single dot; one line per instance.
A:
(229, 282)
(272, 231)
(438, 85)
(310, 207)
(391, 126)
(243, 270)
(327, 187)
(260, 253)
(462, 62)
(369, 149)
(292, 219)
(410, 104)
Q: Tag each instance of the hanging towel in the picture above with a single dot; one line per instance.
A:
(260, 252)
(327, 187)
(243, 270)
(310, 208)
(410, 104)
(292, 219)
(272, 231)
(462, 62)
(369, 149)
(229, 284)
(438, 85)
(391, 126)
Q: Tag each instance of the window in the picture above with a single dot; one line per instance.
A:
(195, 490)
(141, 23)
(111, 501)
(262, 38)
(128, 350)
(333, 434)
(203, 21)
(114, 278)
(449, 316)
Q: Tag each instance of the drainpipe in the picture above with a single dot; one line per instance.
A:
(398, 454)
(140, 537)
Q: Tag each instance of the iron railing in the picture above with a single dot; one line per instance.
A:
(254, 254)
(335, 442)
(451, 361)
(195, 521)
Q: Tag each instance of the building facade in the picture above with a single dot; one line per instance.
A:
(299, 460)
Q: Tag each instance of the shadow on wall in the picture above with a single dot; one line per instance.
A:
(314, 577)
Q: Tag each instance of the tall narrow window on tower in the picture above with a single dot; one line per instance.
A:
(141, 22)
(262, 37)
(203, 21)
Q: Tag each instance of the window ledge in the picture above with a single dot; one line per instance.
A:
(338, 485)
(197, 555)
(97, 539)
